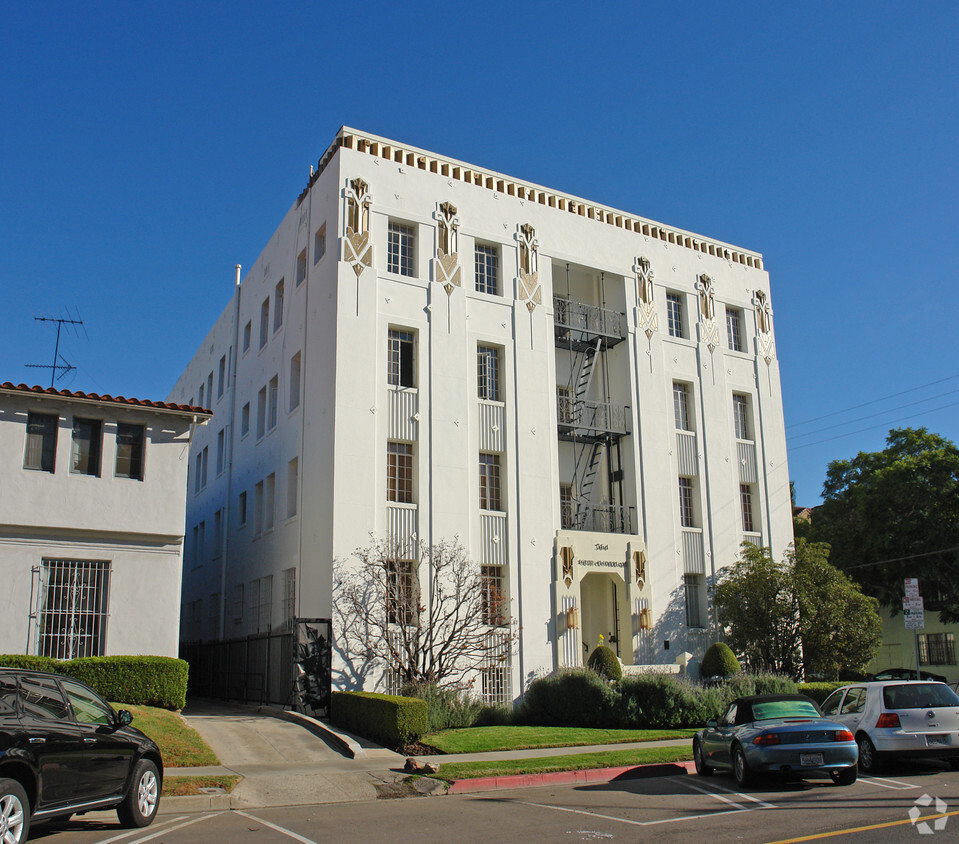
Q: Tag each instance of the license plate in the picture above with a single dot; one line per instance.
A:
(810, 760)
(937, 740)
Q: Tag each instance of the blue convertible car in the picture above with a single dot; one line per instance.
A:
(776, 733)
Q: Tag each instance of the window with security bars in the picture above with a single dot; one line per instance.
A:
(686, 512)
(41, 447)
(259, 602)
(681, 406)
(746, 506)
(289, 598)
(487, 269)
(399, 362)
(674, 315)
(741, 416)
(487, 373)
(734, 329)
(937, 649)
(72, 621)
(495, 675)
(567, 509)
(489, 478)
(399, 472)
(400, 247)
(494, 596)
(402, 592)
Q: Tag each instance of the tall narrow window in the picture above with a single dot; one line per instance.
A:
(264, 322)
(129, 462)
(494, 596)
(489, 478)
(400, 249)
(295, 381)
(399, 364)
(245, 420)
(201, 395)
(292, 486)
(681, 406)
(289, 598)
(41, 450)
(261, 413)
(694, 599)
(205, 454)
(73, 616)
(741, 416)
(746, 505)
(278, 306)
(209, 388)
(734, 329)
(402, 592)
(567, 512)
(258, 509)
(319, 244)
(220, 449)
(487, 269)
(247, 332)
(221, 377)
(198, 472)
(674, 315)
(86, 447)
(274, 399)
(686, 511)
(399, 472)
(301, 268)
(242, 508)
(487, 374)
(269, 502)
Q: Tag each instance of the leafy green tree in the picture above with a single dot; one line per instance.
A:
(901, 502)
(798, 615)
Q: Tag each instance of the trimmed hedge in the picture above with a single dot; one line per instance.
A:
(573, 697)
(390, 720)
(604, 662)
(719, 661)
(136, 680)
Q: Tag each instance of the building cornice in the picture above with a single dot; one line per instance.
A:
(50, 394)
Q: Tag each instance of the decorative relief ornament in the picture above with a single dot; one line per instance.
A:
(566, 555)
(358, 251)
(639, 566)
(648, 319)
(447, 267)
(530, 291)
(708, 331)
(764, 322)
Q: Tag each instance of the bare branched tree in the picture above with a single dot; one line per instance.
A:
(429, 612)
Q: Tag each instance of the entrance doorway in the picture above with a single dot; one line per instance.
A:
(605, 611)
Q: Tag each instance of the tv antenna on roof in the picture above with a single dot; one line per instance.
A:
(57, 369)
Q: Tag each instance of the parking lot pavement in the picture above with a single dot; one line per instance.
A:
(673, 809)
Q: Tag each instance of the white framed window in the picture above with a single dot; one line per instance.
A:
(245, 420)
(295, 381)
(741, 416)
(264, 322)
(129, 456)
(399, 472)
(401, 245)
(675, 316)
(292, 486)
(74, 596)
(486, 269)
(319, 244)
(487, 373)
(746, 507)
(278, 306)
(681, 406)
(489, 482)
(301, 268)
(734, 329)
(693, 584)
(687, 511)
(274, 399)
(41, 445)
(400, 358)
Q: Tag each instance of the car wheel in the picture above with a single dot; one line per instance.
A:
(844, 776)
(143, 799)
(868, 755)
(953, 762)
(741, 769)
(14, 812)
(699, 758)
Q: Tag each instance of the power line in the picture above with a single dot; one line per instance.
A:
(902, 559)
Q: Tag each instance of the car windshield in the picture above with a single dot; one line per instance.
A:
(919, 696)
(784, 709)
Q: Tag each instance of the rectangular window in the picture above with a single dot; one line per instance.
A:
(681, 406)
(295, 381)
(289, 598)
(399, 472)
(258, 509)
(674, 315)
(264, 605)
(247, 334)
(197, 472)
(205, 454)
(278, 306)
(301, 268)
(319, 244)
(489, 478)
(218, 533)
(209, 388)
(487, 373)
(292, 486)
(261, 413)
(201, 544)
(399, 364)
(686, 511)
(567, 512)
(402, 592)
(242, 508)
(264, 322)
(129, 462)
(937, 648)
(741, 416)
(245, 420)
(85, 456)
(746, 505)
(269, 502)
(201, 395)
(487, 269)
(494, 596)
(734, 329)
(694, 599)
(73, 617)
(565, 405)
(274, 399)
(221, 377)
(400, 249)
(220, 449)
(41, 449)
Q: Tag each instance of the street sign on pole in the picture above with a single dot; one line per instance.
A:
(912, 587)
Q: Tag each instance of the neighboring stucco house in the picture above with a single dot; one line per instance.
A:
(92, 494)
(937, 645)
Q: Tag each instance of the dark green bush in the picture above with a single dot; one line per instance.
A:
(135, 680)
(495, 716)
(446, 708)
(773, 684)
(390, 720)
(818, 691)
(661, 701)
(570, 698)
(719, 661)
(604, 662)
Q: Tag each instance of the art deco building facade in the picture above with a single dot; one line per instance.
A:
(587, 400)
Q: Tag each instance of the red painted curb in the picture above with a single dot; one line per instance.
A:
(592, 775)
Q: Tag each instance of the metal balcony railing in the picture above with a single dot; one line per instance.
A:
(577, 323)
(599, 518)
(589, 420)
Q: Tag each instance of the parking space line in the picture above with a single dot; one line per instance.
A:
(762, 803)
(162, 830)
(273, 826)
(896, 785)
(130, 832)
(632, 822)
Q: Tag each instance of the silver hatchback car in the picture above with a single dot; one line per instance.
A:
(914, 718)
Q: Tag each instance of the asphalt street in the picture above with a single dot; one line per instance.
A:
(890, 808)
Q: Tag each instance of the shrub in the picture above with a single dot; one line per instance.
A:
(390, 720)
(136, 680)
(818, 691)
(719, 661)
(570, 698)
(773, 684)
(604, 662)
(495, 716)
(446, 708)
(662, 701)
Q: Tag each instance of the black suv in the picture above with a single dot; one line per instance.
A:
(64, 750)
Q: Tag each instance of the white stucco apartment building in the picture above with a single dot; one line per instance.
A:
(92, 507)
(587, 400)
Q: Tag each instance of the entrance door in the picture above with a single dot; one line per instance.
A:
(604, 610)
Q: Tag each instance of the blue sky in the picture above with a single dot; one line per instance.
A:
(148, 148)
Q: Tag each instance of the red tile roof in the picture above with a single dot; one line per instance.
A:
(7, 386)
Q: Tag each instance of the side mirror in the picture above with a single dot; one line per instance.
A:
(124, 717)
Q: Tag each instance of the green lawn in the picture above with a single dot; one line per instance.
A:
(481, 739)
(180, 745)
(578, 762)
